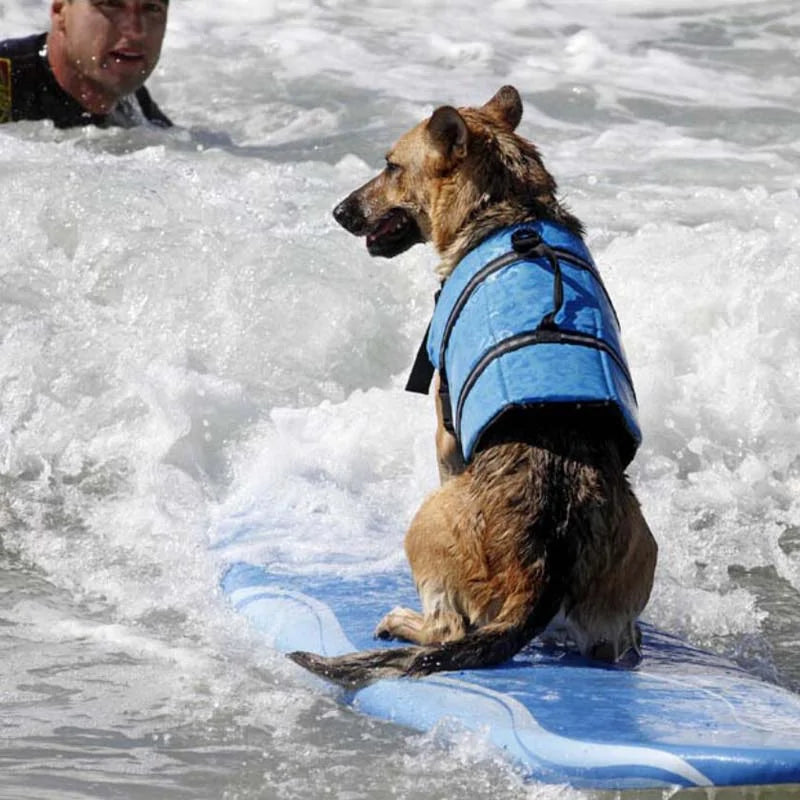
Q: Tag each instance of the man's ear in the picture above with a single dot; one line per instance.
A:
(57, 14)
(506, 107)
(449, 133)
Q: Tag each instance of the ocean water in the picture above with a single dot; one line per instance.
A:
(185, 331)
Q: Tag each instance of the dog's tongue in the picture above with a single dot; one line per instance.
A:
(386, 226)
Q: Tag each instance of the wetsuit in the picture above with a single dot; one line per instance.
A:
(29, 90)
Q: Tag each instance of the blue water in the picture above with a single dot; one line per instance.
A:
(185, 333)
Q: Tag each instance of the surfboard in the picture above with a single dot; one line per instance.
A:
(681, 717)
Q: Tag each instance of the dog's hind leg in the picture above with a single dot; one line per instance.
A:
(603, 622)
(431, 628)
(466, 566)
(445, 572)
(401, 623)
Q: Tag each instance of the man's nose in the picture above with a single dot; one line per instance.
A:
(131, 20)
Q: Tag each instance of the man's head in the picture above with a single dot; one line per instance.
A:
(102, 50)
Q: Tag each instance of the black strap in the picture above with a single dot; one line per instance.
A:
(528, 339)
(420, 378)
(447, 408)
(421, 375)
(529, 244)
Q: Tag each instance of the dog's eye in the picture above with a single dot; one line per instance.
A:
(391, 166)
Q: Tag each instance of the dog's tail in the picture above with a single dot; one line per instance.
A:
(487, 646)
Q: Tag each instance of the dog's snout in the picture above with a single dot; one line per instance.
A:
(342, 212)
(349, 215)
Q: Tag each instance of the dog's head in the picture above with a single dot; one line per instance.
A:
(450, 180)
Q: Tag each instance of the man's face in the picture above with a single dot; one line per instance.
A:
(114, 44)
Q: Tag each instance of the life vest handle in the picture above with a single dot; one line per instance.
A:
(528, 244)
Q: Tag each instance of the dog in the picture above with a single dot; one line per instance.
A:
(535, 524)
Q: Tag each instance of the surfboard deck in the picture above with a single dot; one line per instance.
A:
(681, 717)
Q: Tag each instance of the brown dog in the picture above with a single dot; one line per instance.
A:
(536, 523)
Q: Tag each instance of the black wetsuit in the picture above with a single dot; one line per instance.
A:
(29, 90)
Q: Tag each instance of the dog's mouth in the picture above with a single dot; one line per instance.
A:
(392, 234)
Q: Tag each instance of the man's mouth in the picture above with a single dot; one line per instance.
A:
(124, 56)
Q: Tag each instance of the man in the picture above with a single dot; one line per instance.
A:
(89, 69)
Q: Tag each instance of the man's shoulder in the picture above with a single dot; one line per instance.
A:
(151, 111)
(26, 85)
(24, 47)
(18, 63)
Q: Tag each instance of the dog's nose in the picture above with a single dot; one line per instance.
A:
(340, 213)
(348, 215)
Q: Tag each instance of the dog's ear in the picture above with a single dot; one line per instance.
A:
(449, 133)
(506, 107)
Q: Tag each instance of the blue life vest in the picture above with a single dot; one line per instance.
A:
(524, 320)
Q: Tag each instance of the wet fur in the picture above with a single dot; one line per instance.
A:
(541, 525)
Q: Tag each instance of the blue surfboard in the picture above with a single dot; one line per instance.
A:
(681, 717)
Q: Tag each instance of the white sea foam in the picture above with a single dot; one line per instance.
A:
(185, 334)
